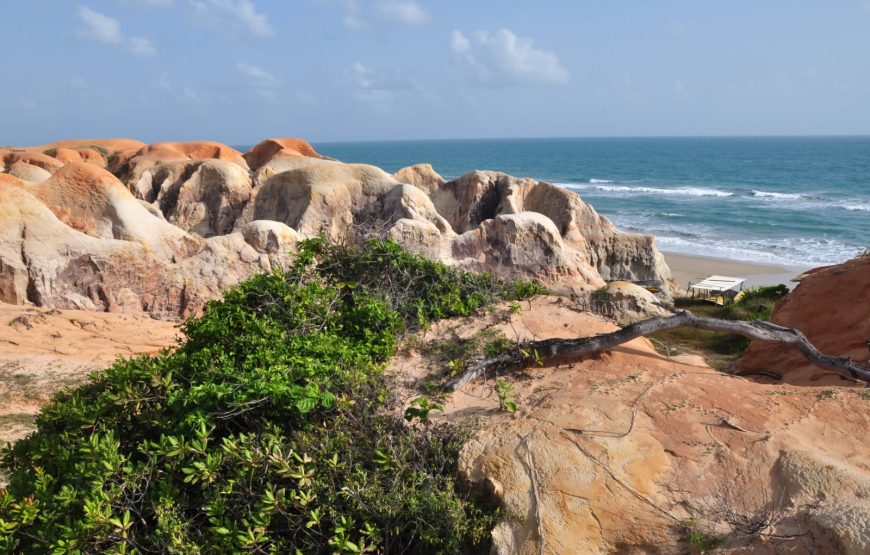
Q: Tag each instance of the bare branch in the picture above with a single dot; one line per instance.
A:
(763, 331)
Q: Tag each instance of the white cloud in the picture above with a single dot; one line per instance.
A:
(352, 17)
(459, 44)
(99, 27)
(375, 79)
(406, 12)
(141, 47)
(103, 28)
(501, 57)
(232, 16)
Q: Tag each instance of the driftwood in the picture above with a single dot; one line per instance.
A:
(764, 331)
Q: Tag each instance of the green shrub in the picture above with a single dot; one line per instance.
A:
(421, 290)
(265, 430)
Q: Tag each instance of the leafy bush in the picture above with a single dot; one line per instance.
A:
(757, 303)
(421, 290)
(265, 430)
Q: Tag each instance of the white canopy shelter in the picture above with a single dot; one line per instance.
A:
(719, 284)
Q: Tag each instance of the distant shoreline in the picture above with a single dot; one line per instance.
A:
(690, 268)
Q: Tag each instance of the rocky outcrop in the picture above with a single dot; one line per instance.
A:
(830, 306)
(481, 195)
(422, 176)
(28, 172)
(629, 451)
(625, 303)
(269, 149)
(201, 216)
(325, 196)
(160, 153)
(204, 197)
(528, 244)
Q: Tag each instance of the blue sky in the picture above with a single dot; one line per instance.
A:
(237, 71)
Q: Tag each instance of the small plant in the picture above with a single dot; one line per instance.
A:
(515, 308)
(497, 346)
(420, 408)
(601, 293)
(505, 392)
(534, 356)
(701, 541)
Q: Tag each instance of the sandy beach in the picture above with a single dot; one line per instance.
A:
(690, 269)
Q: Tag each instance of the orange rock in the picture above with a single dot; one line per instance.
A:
(192, 151)
(111, 145)
(265, 150)
(11, 180)
(627, 450)
(831, 306)
(85, 154)
(38, 159)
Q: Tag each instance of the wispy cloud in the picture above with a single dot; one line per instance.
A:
(234, 17)
(260, 81)
(353, 18)
(182, 94)
(103, 28)
(378, 87)
(256, 74)
(269, 88)
(501, 57)
(406, 12)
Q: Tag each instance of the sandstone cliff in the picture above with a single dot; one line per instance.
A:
(119, 225)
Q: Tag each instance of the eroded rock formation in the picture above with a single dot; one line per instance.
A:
(121, 225)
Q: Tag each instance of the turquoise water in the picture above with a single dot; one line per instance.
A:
(799, 201)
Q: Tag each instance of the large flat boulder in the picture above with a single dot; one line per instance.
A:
(629, 451)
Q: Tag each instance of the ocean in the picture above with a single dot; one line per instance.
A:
(793, 201)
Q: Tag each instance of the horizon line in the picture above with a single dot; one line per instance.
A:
(589, 137)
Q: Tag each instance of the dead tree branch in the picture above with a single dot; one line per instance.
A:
(761, 330)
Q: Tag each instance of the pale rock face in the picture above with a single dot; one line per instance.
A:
(29, 173)
(481, 195)
(270, 237)
(48, 263)
(422, 176)
(204, 197)
(475, 197)
(524, 244)
(421, 237)
(324, 196)
(93, 201)
(624, 302)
